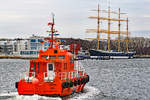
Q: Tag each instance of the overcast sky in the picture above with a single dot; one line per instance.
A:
(22, 18)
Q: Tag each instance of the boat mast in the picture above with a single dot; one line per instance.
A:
(119, 31)
(98, 28)
(109, 28)
(51, 32)
(127, 38)
(108, 31)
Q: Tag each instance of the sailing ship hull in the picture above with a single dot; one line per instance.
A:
(111, 54)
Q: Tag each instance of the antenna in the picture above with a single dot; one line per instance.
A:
(108, 3)
(52, 31)
(53, 15)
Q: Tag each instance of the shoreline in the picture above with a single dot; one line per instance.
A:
(141, 56)
(16, 57)
(22, 57)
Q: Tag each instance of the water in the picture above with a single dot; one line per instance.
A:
(126, 79)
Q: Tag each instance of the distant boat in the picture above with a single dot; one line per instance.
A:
(111, 54)
(99, 31)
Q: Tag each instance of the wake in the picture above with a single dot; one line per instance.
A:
(89, 93)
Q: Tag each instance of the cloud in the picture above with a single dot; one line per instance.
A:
(31, 16)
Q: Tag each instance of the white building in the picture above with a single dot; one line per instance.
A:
(6, 47)
(26, 47)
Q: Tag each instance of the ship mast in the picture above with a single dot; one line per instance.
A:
(127, 38)
(52, 32)
(109, 31)
(109, 28)
(98, 28)
(119, 25)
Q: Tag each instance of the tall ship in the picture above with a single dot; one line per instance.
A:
(109, 19)
(54, 72)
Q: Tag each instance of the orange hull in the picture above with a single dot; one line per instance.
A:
(51, 88)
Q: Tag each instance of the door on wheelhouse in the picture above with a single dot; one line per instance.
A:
(50, 71)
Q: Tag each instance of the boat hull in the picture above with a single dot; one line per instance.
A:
(111, 54)
(56, 88)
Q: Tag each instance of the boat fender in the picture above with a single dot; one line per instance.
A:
(87, 78)
(64, 84)
(67, 84)
(82, 81)
(79, 82)
(35, 81)
(75, 83)
(71, 84)
(16, 85)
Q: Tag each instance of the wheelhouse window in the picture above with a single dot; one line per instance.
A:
(43, 57)
(61, 57)
(54, 46)
(52, 57)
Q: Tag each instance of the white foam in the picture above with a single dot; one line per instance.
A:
(15, 96)
(9, 94)
(34, 97)
(89, 93)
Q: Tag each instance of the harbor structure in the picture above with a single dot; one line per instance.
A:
(28, 47)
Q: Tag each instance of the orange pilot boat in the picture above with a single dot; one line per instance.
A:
(54, 72)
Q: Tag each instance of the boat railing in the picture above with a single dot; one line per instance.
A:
(28, 76)
(49, 77)
(79, 66)
(63, 75)
(71, 75)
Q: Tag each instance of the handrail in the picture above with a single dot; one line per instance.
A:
(66, 75)
(28, 76)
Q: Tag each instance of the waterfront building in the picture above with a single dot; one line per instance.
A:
(32, 46)
(6, 47)
(29, 47)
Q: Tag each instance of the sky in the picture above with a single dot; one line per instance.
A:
(22, 18)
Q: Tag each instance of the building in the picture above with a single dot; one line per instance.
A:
(29, 47)
(32, 46)
(6, 47)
